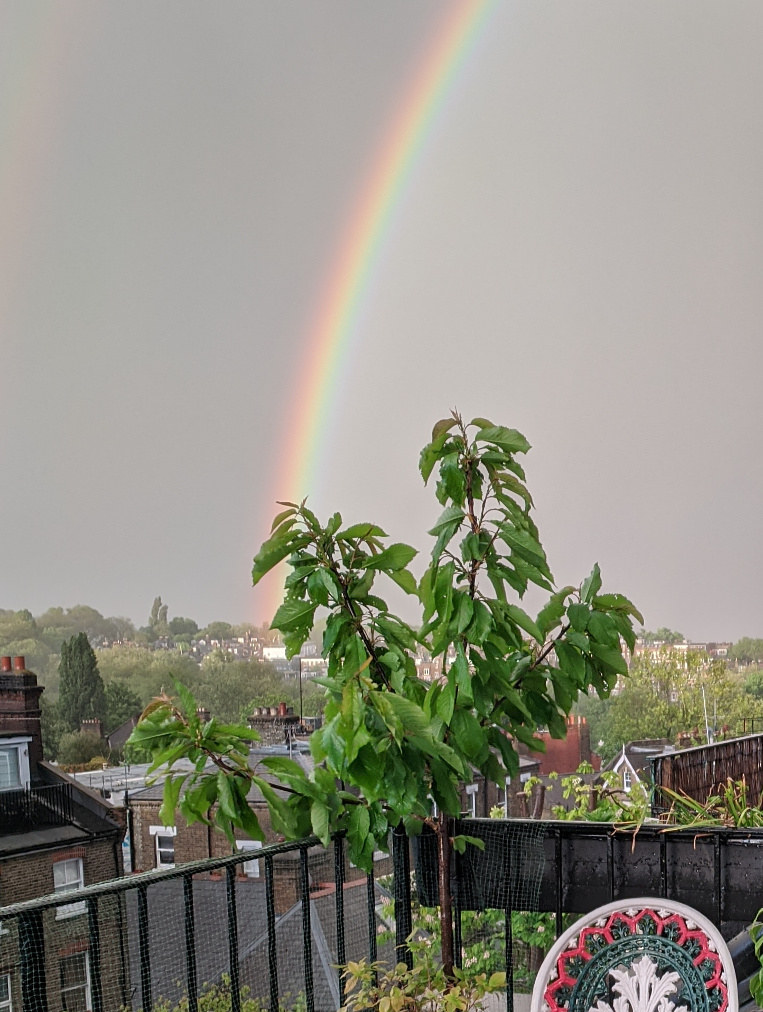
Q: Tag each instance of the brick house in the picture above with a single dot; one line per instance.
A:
(55, 836)
(564, 755)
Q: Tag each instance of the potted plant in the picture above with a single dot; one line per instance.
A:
(394, 748)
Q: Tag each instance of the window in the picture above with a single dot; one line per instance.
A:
(10, 775)
(6, 1005)
(14, 763)
(75, 983)
(69, 876)
(165, 845)
(250, 868)
(471, 790)
(627, 779)
(506, 798)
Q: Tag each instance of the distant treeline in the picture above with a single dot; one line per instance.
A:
(133, 673)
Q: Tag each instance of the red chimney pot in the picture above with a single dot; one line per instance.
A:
(18, 664)
(5, 664)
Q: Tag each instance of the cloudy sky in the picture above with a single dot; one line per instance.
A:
(578, 253)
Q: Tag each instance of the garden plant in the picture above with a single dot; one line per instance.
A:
(395, 748)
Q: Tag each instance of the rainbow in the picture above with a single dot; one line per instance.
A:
(360, 249)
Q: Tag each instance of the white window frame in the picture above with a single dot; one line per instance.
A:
(250, 868)
(156, 832)
(627, 778)
(507, 788)
(6, 1004)
(471, 790)
(76, 987)
(21, 746)
(71, 883)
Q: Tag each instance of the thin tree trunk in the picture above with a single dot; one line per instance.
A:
(446, 903)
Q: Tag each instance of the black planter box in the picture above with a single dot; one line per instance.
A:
(573, 867)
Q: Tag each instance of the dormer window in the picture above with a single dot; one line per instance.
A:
(14, 764)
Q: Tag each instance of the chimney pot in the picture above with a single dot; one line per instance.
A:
(18, 664)
(5, 664)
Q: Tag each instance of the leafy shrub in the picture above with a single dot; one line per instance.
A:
(78, 747)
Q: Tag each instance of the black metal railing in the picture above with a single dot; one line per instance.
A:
(207, 929)
(35, 807)
(132, 920)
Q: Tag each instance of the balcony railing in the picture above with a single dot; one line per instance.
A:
(35, 808)
(270, 929)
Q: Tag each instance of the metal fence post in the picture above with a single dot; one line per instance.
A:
(34, 996)
(401, 863)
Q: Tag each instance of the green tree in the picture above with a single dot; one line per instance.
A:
(663, 635)
(218, 631)
(122, 702)
(157, 620)
(183, 626)
(147, 672)
(747, 651)
(670, 693)
(81, 696)
(52, 725)
(402, 744)
(76, 748)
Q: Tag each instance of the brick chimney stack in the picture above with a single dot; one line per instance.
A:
(20, 706)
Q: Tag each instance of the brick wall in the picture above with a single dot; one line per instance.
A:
(566, 754)
(29, 876)
(192, 843)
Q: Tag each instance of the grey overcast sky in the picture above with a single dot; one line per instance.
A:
(578, 254)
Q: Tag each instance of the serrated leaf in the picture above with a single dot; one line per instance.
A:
(524, 621)
(294, 615)
(359, 532)
(404, 578)
(591, 585)
(444, 425)
(391, 559)
(509, 440)
(172, 787)
(610, 656)
(319, 818)
(280, 517)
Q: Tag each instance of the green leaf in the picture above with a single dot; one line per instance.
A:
(404, 578)
(294, 615)
(172, 787)
(445, 703)
(460, 842)
(524, 621)
(610, 657)
(482, 423)
(617, 602)
(570, 661)
(281, 517)
(274, 551)
(550, 615)
(319, 817)
(578, 615)
(480, 625)
(411, 716)
(449, 520)
(509, 440)
(469, 735)
(441, 427)
(392, 559)
(603, 629)
(591, 585)
(359, 532)
(462, 675)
